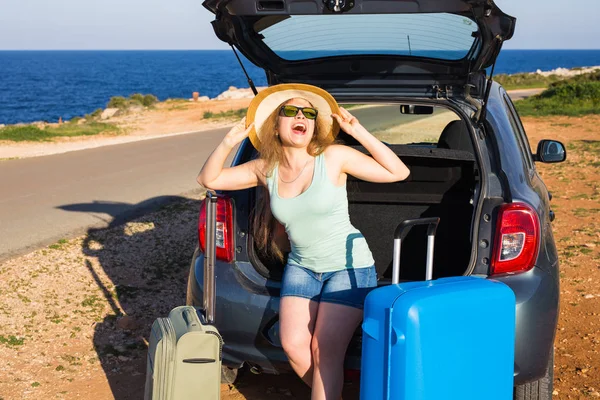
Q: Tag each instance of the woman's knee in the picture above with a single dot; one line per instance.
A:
(296, 345)
(297, 320)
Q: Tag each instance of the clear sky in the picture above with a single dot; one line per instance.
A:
(185, 24)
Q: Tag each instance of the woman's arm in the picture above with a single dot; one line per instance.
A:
(213, 176)
(384, 166)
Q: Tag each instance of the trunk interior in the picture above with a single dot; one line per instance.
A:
(442, 184)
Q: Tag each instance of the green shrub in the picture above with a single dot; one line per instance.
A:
(573, 97)
(525, 81)
(226, 114)
(577, 88)
(136, 98)
(149, 100)
(23, 133)
(97, 113)
(33, 133)
(118, 102)
(589, 77)
(528, 81)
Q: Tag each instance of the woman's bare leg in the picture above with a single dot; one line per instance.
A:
(297, 318)
(333, 331)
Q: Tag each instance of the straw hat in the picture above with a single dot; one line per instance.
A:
(267, 100)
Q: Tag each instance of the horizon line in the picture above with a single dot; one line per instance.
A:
(229, 49)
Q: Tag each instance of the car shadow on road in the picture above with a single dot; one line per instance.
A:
(140, 264)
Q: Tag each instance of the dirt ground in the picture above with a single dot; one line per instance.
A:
(75, 317)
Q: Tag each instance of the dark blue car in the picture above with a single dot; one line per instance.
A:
(418, 75)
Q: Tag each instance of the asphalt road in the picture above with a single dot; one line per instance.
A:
(384, 117)
(520, 94)
(44, 199)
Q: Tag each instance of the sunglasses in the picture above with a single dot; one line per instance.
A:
(292, 111)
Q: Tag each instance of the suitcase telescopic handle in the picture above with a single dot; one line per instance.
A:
(210, 257)
(399, 235)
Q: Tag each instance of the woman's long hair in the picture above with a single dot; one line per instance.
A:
(269, 234)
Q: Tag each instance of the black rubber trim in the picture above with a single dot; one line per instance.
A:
(199, 360)
(405, 226)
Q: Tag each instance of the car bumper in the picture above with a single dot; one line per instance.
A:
(247, 317)
(537, 297)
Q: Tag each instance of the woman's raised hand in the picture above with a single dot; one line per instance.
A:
(347, 121)
(238, 133)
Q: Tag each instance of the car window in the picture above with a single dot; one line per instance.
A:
(388, 124)
(519, 132)
(435, 35)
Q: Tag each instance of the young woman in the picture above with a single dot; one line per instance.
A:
(330, 267)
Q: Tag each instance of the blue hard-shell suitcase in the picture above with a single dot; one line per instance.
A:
(450, 338)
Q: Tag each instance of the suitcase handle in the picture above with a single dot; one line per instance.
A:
(210, 296)
(400, 233)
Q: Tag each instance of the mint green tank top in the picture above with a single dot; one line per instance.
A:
(318, 224)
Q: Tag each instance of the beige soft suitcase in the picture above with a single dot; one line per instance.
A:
(184, 358)
(184, 351)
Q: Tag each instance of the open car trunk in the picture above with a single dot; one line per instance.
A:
(408, 45)
(442, 184)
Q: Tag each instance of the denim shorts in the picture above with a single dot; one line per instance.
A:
(347, 287)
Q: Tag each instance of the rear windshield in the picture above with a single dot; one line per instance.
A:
(435, 35)
(390, 125)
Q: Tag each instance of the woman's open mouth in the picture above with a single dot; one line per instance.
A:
(299, 129)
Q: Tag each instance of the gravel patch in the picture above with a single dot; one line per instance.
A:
(83, 307)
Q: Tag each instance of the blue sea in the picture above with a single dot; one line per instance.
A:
(46, 85)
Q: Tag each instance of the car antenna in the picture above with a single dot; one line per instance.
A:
(245, 72)
(409, 48)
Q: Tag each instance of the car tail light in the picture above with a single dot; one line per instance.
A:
(224, 231)
(517, 239)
